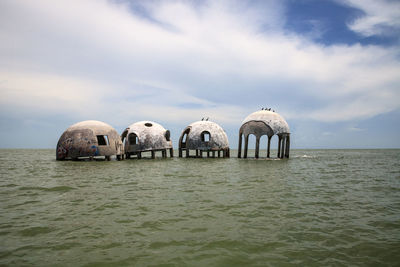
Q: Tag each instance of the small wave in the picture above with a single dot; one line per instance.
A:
(33, 231)
(51, 189)
(305, 157)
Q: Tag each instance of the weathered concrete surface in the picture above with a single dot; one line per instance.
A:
(80, 141)
(145, 136)
(275, 121)
(195, 138)
(265, 122)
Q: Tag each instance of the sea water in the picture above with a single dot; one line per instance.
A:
(320, 207)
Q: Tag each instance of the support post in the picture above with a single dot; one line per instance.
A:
(208, 153)
(201, 153)
(240, 145)
(197, 153)
(171, 152)
(257, 147)
(139, 155)
(219, 153)
(164, 153)
(153, 154)
(246, 144)
(213, 154)
(180, 152)
(279, 146)
(269, 146)
(187, 152)
(283, 146)
(287, 146)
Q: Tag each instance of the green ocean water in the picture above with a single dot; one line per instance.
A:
(320, 207)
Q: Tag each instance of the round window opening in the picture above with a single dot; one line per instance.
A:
(148, 124)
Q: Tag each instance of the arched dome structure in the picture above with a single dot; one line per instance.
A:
(89, 139)
(265, 122)
(204, 136)
(147, 136)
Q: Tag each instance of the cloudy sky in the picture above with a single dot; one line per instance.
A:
(331, 68)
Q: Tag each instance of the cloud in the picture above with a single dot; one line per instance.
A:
(355, 129)
(380, 17)
(182, 61)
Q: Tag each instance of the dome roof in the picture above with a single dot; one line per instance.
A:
(218, 137)
(272, 119)
(89, 139)
(151, 135)
(91, 124)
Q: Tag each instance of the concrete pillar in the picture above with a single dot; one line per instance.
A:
(213, 154)
(153, 154)
(246, 145)
(279, 146)
(287, 146)
(187, 152)
(180, 152)
(257, 147)
(208, 153)
(219, 153)
(283, 147)
(171, 152)
(197, 153)
(269, 146)
(240, 145)
(139, 155)
(201, 153)
(164, 153)
(228, 153)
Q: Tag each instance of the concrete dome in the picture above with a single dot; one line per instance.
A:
(92, 124)
(89, 139)
(145, 136)
(265, 122)
(217, 139)
(204, 136)
(272, 119)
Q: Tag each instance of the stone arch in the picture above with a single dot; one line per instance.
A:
(184, 137)
(259, 129)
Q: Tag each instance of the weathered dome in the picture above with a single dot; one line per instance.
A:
(91, 124)
(272, 119)
(89, 139)
(216, 139)
(146, 136)
(265, 122)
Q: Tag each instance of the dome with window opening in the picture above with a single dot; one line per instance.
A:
(204, 136)
(89, 139)
(146, 136)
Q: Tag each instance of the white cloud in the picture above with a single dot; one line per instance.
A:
(382, 17)
(58, 55)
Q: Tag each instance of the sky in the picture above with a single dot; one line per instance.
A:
(331, 68)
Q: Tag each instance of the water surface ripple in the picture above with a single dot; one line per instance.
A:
(320, 207)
